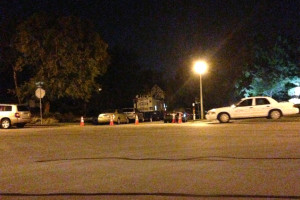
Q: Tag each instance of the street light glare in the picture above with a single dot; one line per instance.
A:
(200, 67)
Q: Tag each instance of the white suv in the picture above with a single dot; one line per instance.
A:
(13, 114)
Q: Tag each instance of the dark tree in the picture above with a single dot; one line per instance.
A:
(63, 52)
(272, 70)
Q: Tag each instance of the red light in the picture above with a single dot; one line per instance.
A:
(17, 115)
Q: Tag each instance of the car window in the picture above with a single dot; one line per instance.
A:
(110, 111)
(262, 101)
(23, 108)
(128, 110)
(5, 108)
(118, 111)
(247, 102)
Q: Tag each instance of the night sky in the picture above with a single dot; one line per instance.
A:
(168, 34)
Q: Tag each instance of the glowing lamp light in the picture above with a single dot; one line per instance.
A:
(200, 67)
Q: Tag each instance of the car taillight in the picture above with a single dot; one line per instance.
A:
(17, 115)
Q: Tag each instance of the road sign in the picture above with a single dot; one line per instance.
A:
(39, 84)
(40, 93)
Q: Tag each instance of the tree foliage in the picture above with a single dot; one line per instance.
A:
(8, 56)
(271, 71)
(63, 52)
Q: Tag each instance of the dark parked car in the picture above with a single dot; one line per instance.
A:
(169, 117)
(153, 115)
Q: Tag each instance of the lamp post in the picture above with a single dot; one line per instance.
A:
(200, 68)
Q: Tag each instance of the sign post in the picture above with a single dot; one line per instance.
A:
(40, 93)
(197, 102)
(194, 112)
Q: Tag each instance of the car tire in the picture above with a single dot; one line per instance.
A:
(20, 125)
(5, 123)
(95, 121)
(223, 118)
(275, 114)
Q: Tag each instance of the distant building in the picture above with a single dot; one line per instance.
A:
(152, 101)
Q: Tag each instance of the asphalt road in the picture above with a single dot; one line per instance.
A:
(239, 160)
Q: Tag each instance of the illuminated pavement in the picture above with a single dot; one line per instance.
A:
(152, 161)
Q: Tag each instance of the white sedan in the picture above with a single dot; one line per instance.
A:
(252, 107)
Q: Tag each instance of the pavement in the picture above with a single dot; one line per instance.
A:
(198, 160)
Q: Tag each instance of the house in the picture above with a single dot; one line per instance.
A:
(152, 101)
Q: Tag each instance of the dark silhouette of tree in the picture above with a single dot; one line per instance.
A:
(8, 55)
(271, 71)
(63, 52)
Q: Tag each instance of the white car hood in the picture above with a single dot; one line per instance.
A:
(217, 110)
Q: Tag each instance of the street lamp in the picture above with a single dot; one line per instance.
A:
(200, 68)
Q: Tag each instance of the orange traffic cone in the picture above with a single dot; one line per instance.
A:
(81, 121)
(136, 120)
(111, 122)
(173, 118)
(179, 119)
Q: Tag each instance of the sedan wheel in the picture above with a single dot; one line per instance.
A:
(5, 123)
(275, 114)
(223, 118)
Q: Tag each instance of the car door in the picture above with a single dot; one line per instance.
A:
(262, 107)
(243, 109)
(119, 115)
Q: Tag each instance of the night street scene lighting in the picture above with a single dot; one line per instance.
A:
(200, 68)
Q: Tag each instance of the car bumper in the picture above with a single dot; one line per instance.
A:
(20, 121)
(291, 111)
(211, 116)
(103, 120)
(131, 118)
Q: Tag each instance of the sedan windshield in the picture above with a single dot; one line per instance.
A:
(128, 110)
